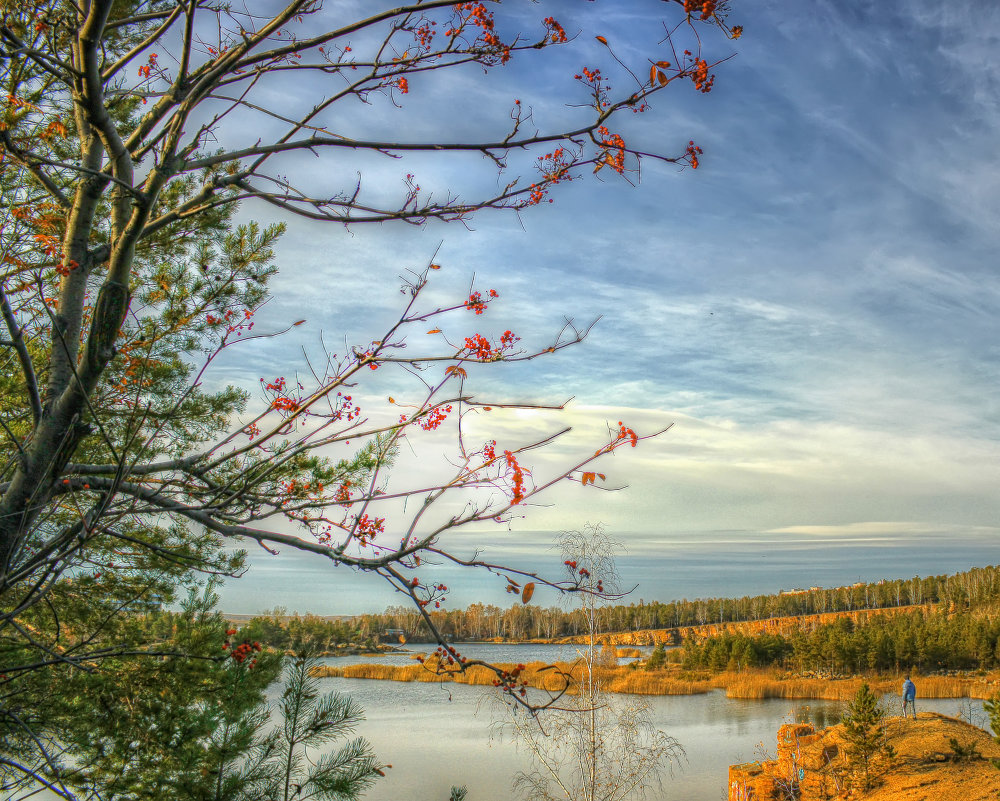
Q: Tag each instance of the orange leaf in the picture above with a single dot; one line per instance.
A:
(298, 322)
(664, 64)
(392, 399)
(435, 266)
(652, 74)
(602, 40)
(434, 331)
(661, 78)
(527, 592)
(588, 478)
(601, 476)
(454, 368)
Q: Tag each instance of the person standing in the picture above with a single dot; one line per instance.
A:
(910, 697)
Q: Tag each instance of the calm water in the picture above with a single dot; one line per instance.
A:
(439, 735)
(487, 651)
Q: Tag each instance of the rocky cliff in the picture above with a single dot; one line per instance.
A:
(927, 766)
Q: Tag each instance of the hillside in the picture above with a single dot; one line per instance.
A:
(812, 766)
(773, 625)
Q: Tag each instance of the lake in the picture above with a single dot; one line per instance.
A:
(437, 735)
(487, 651)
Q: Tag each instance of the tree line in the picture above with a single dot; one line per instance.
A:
(925, 641)
(966, 590)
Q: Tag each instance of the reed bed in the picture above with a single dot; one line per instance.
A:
(751, 685)
(758, 685)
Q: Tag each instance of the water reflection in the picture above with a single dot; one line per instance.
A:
(487, 651)
(434, 738)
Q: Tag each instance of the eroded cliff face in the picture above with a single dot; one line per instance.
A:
(814, 766)
(772, 625)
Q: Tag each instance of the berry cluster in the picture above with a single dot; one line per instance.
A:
(510, 681)
(476, 302)
(516, 478)
(556, 32)
(243, 651)
(434, 417)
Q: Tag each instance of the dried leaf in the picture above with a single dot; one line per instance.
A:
(527, 592)
(434, 331)
(602, 40)
(435, 266)
(663, 64)
(298, 322)
(588, 478)
(652, 74)
(662, 78)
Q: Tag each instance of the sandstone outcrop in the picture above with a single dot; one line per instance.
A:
(813, 765)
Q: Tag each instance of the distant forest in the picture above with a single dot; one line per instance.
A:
(925, 642)
(972, 589)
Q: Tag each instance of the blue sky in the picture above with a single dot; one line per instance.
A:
(813, 308)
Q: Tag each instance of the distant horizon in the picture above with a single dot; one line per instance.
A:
(665, 567)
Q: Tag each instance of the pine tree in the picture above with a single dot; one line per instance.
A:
(865, 732)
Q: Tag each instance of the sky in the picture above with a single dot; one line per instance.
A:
(813, 310)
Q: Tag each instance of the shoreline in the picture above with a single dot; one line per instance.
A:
(746, 684)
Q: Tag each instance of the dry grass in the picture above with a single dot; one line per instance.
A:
(746, 684)
(628, 653)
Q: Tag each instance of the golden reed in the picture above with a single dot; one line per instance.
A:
(748, 684)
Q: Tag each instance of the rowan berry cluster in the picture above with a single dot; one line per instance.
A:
(66, 268)
(555, 167)
(556, 32)
(702, 81)
(149, 66)
(444, 655)
(691, 154)
(510, 681)
(614, 149)
(477, 15)
(345, 409)
(626, 433)
(301, 489)
(479, 347)
(705, 7)
(367, 528)
(476, 302)
(424, 34)
(578, 574)
(232, 322)
(242, 651)
(516, 478)
(434, 417)
(343, 493)
(281, 400)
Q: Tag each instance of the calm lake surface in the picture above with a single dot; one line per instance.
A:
(437, 735)
(487, 651)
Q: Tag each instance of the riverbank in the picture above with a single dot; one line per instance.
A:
(746, 684)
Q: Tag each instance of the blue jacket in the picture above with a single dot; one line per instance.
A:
(909, 689)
